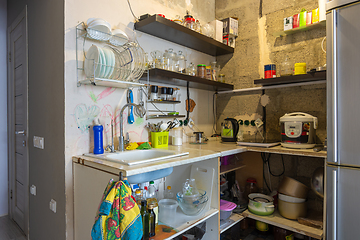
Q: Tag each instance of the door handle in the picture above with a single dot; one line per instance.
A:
(335, 83)
(21, 132)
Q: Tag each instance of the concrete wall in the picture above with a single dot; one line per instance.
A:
(84, 103)
(255, 47)
(46, 113)
(3, 112)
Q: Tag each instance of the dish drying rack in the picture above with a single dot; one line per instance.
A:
(127, 80)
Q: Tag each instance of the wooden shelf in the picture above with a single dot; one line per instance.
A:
(157, 75)
(289, 151)
(277, 220)
(300, 29)
(231, 167)
(231, 221)
(309, 77)
(165, 29)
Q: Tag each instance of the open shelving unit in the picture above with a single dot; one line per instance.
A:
(300, 29)
(231, 221)
(276, 219)
(302, 78)
(166, 29)
(157, 75)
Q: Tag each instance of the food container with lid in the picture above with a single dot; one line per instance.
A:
(299, 68)
(298, 130)
(226, 209)
(261, 204)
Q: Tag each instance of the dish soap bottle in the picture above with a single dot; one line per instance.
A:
(98, 138)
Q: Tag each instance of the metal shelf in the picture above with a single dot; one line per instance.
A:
(309, 77)
(164, 28)
(110, 83)
(157, 75)
(301, 29)
(164, 116)
(165, 101)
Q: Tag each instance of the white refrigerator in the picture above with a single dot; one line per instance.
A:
(343, 118)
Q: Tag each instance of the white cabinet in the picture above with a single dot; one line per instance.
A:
(90, 181)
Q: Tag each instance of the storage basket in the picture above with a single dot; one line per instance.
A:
(159, 139)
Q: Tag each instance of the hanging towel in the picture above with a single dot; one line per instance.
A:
(118, 215)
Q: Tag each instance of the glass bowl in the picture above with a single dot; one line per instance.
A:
(193, 204)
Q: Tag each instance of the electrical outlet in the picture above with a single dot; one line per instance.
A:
(258, 123)
(53, 205)
(38, 142)
(33, 190)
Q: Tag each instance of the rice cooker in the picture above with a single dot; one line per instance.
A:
(298, 130)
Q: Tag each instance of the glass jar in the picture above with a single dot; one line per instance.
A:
(250, 186)
(169, 57)
(201, 70)
(286, 68)
(181, 62)
(191, 70)
(170, 92)
(221, 78)
(190, 23)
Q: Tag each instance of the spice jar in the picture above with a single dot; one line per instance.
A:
(201, 70)
(170, 92)
(154, 93)
(163, 95)
(250, 186)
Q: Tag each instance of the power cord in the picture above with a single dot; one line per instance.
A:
(137, 19)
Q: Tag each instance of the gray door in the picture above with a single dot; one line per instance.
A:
(18, 122)
(342, 203)
(343, 84)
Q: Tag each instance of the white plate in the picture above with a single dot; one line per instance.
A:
(92, 61)
(110, 60)
(103, 63)
(118, 37)
(99, 29)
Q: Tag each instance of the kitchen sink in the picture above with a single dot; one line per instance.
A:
(138, 156)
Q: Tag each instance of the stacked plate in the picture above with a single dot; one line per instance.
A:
(126, 63)
(99, 29)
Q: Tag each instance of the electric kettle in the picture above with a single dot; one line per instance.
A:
(230, 129)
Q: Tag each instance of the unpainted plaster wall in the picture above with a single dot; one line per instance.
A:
(255, 47)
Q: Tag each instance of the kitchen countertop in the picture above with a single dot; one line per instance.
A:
(197, 152)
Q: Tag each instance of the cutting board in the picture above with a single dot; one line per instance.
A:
(204, 178)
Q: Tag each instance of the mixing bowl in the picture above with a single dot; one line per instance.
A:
(293, 188)
(194, 204)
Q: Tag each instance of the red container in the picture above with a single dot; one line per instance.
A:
(270, 71)
(296, 21)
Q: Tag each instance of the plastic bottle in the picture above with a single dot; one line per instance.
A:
(168, 194)
(250, 186)
(139, 196)
(152, 220)
(98, 138)
(152, 199)
(145, 219)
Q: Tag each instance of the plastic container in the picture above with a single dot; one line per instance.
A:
(221, 78)
(167, 211)
(168, 194)
(201, 70)
(159, 139)
(177, 136)
(300, 68)
(153, 200)
(226, 209)
(98, 139)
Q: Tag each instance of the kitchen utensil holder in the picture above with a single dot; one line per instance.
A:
(159, 139)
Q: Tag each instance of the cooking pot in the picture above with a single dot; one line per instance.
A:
(293, 188)
(261, 204)
(298, 130)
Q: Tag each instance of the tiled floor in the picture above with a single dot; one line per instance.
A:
(9, 230)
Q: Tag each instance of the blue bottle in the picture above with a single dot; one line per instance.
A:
(98, 139)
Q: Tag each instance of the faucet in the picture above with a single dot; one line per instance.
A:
(121, 137)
